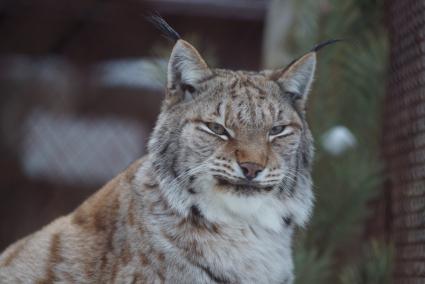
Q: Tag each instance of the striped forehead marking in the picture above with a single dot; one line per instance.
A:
(246, 101)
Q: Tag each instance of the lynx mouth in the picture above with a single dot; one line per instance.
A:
(241, 186)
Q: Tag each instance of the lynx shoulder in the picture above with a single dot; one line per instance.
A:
(216, 199)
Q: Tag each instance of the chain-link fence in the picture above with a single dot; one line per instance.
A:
(404, 138)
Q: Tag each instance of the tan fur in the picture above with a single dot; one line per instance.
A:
(87, 239)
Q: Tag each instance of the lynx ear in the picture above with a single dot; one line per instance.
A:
(296, 79)
(185, 69)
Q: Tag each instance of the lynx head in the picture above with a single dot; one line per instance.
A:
(230, 142)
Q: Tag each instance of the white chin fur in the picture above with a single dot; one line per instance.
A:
(264, 210)
(239, 210)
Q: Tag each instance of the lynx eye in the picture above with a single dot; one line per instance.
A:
(217, 128)
(276, 130)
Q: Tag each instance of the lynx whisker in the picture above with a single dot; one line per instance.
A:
(183, 177)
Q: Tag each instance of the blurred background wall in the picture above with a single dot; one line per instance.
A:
(81, 84)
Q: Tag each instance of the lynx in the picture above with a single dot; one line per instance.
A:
(216, 200)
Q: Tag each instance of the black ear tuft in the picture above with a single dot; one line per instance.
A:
(164, 27)
(325, 43)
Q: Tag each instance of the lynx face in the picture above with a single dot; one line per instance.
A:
(232, 138)
(244, 134)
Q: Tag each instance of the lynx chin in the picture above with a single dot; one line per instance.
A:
(216, 200)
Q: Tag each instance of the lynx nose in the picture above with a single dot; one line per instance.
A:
(251, 170)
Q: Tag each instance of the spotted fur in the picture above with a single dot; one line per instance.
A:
(187, 212)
